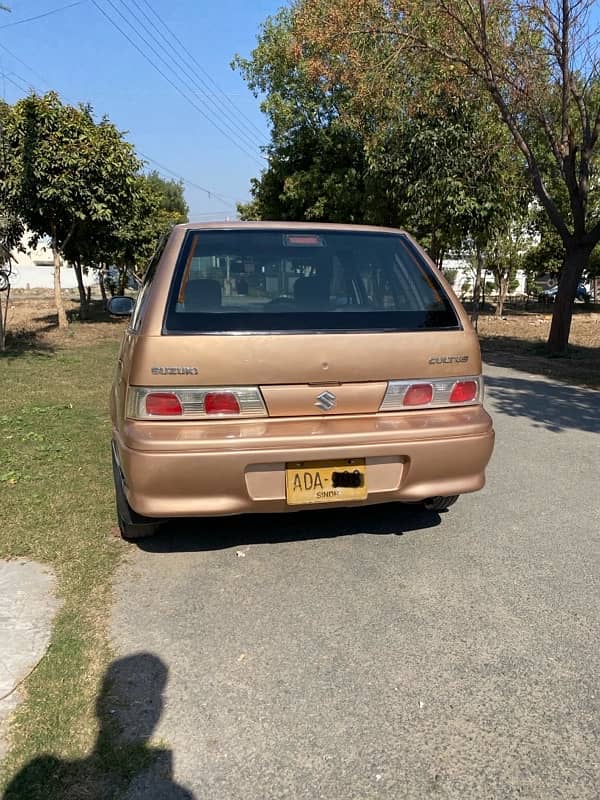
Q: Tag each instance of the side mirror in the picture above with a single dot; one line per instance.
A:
(120, 306)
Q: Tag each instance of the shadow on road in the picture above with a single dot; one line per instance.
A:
(221, 533)
(128, 707)
(549, 405)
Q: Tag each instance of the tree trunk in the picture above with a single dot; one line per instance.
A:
(122, 280)
(576, 259)
(502, 292)
(3, 317)
(83, 300)
(58, 299)
(102, 286)
(477, 285)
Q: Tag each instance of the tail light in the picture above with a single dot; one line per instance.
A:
(163, 404)
(221, 403)
(419, 394)
(401, 395)
(464, 392)
(178, 403)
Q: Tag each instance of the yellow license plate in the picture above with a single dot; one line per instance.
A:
(309, 482)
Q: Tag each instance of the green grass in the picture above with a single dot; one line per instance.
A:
(57, 508)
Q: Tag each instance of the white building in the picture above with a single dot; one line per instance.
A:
(465, 277)
(33, 268)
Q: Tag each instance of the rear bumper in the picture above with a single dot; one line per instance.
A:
(216, 469)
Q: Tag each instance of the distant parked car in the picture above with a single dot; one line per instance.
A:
(112, 278)
(548, 296)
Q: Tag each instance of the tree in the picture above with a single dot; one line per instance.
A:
(157, 205)
(127, 240)
(335, 155)
(317, 169)
(452, 174)
(504, 258)
(535, 61)
(546, 256)
(69, 173)
(171, 206)
(11, 227)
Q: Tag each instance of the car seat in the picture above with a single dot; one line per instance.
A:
(201, 294)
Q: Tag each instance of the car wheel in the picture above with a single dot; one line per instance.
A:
(440, 503)
(131, 524)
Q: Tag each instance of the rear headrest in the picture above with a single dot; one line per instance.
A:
(202, 293)
(312, 292)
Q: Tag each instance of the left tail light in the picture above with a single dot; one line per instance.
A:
(207, 403)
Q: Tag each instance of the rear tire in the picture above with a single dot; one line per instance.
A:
(131, 524)
(440, 503)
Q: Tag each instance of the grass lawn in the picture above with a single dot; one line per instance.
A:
(57, 508)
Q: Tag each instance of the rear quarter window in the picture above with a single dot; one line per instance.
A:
(229, 281)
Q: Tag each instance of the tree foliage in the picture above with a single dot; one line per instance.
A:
(77, 182)
(157, 205)
(348, 148)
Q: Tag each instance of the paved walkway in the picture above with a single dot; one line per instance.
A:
(27, 608)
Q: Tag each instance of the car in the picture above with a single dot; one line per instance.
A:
(278, 367)
(548, 295)
(112, 279)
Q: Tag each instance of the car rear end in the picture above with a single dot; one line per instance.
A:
(274, 367)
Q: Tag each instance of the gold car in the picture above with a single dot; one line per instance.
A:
(273, 367)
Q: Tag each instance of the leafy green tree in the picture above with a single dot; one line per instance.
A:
(171, 205)
(435, 168)
(68, 172)
(157, 205)
(11, 226)
(317, 169)
(504, 258)
(451, 174)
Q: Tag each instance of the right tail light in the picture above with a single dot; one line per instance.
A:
(403, 395)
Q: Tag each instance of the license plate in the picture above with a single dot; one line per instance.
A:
(309, 482)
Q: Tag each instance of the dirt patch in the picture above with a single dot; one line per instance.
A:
(32, 321)
(518, 340)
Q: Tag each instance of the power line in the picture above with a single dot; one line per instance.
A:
(197, 186)
(23, 63)
(29, 85)
(199, 66)
(211, 216)
(6, 76)
(41, 16)
(246, 131)
(177, 71)
(164, 75)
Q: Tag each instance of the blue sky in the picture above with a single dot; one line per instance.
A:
(78, 52)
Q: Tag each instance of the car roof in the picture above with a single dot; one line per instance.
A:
(278, 225)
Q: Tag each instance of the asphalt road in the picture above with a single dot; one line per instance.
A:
(387, 652)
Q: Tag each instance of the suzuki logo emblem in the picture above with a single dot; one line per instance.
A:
(326, 401)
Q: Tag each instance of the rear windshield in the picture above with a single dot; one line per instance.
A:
(250, 281)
